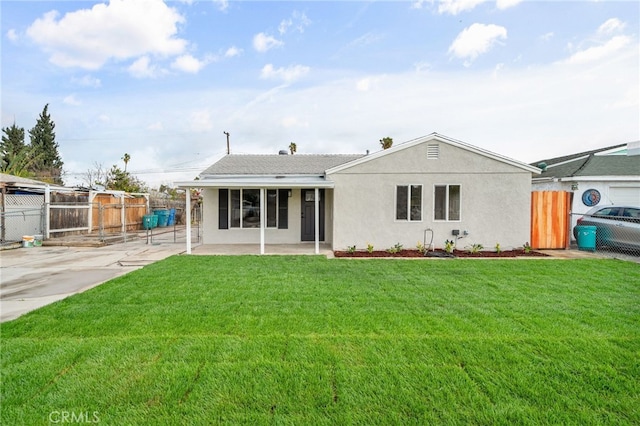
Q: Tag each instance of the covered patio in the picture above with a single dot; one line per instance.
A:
(269, 249)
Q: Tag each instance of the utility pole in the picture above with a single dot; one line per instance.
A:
(228, 150)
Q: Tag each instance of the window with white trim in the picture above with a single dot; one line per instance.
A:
(240, 208)
(409, 203)
(446, 202)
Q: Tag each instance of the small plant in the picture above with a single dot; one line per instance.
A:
(351, 249)
(397, 248)
(421, 248)
(449, 245)
(526, 247)
(475, 248)
(498, 248)
(369, 248)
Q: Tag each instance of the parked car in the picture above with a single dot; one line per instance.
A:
(616, 226)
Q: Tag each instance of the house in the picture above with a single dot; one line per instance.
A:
(429, 189)
(609, 175)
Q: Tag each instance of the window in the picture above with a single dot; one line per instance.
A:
(446, 204)
(240, 208)
(409, 202)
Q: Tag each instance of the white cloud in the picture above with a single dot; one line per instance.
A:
(454, 7)
(505, 4)
(287, 75)
(200, 121)
(232, 52)
(597, 53)
(12, 35)
(142, 68)
(284, 25)
(298, 21)
(87, 81)
(119, 30)
(293, 122)
(263, 42)
(547, 36)
(612, 25)
(419, 3)
(476, 40)
(71, 100)
(188, 63)
(155, 126)
(368, 83)
(222, 4)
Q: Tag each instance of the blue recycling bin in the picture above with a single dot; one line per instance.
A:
(172, 217)
(586, 236)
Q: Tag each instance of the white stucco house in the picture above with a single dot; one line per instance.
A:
(434, 188)
(609, 175)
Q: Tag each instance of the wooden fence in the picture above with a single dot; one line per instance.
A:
(102, 213)
(110, 213)
(550, 219)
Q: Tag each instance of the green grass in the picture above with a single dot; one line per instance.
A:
(306, 340)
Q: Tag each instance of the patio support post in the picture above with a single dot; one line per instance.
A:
(187, 214)
(262, 221)
(317, 219)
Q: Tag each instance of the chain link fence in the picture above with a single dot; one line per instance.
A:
(612, 232)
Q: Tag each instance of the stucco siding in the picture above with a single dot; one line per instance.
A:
(452, 159)
(495, 200)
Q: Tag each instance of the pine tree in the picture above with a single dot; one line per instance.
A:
(48, 166)
(12, 145)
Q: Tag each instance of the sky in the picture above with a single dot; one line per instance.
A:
(162, 81)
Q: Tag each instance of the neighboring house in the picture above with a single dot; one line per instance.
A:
(433, 186)
(603, 176)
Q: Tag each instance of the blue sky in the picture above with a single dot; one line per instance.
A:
(162, 81)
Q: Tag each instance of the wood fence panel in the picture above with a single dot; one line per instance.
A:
(550, 219)
(107, 210)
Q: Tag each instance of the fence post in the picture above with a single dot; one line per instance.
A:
(123, 217)
(101, 221)
(3, 223)
(47, 211)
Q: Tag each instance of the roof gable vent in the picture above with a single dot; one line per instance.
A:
(433, 151)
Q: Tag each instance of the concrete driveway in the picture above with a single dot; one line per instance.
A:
(34, 277)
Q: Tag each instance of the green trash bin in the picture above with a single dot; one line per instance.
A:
(586, 238)
(147, 221)
(163, 217)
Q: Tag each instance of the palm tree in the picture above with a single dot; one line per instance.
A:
(386, 142)
(126, 159)
(293, 148)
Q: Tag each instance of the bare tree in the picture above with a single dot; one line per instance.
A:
(95, 176)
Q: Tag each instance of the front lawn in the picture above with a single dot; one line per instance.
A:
(306, 340)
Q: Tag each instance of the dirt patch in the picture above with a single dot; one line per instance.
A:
(441, 254)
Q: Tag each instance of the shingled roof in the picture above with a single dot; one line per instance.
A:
(609, 161)
(273, 165)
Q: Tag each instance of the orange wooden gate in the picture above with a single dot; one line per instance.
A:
(550, 219)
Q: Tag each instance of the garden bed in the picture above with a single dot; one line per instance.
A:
(440, 253)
